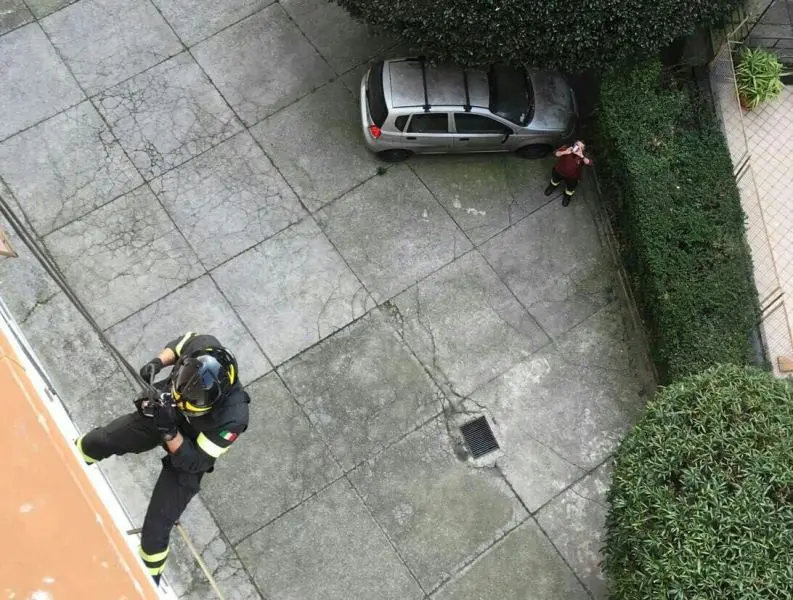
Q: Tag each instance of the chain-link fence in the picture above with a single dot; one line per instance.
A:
(761, 147)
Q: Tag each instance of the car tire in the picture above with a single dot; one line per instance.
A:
(395, 155)
(534, 151)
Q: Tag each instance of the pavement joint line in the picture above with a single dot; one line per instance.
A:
(343, 473)
(586, 474)
(477, 247)
(472, 559)
(387, 537)
(228, 543)
(303, 33)
(562, 557)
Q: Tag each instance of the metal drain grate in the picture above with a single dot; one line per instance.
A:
(479, 437)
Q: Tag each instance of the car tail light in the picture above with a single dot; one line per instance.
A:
(374, 131)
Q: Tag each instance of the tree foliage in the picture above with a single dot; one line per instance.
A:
(570, 35)
(702, 492)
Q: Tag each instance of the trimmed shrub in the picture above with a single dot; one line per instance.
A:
(560, 34)
(701, 503)
(667, 173)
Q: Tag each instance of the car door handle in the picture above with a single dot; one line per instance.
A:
(411, 137)
(463, 139)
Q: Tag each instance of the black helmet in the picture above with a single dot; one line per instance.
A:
(202, 378)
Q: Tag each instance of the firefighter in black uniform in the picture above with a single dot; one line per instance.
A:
(195, 415)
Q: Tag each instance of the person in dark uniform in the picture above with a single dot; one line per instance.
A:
(569, 164)
(195, 414)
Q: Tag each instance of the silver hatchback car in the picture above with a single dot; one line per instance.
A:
(411, 107)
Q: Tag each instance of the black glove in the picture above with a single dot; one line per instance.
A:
(150, 369)
(166, 417)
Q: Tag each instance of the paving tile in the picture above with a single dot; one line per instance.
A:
(284, 460)
(228, 199)
(41, 8)
(197, 306)
(522, 566)
(123, 256)
(167, 115)
(559, 281)
(575, 522)
(292, 290)
(485, 194)
(439, 512)
(107, 41)
(13, 14)
(34, 82)
(576, 398)
(465, 325)
(328, 548)
(195, 20)
(362, 389)
(262, 64)
(316, 144)
(392, 232)
(65, 167)
(342, 41)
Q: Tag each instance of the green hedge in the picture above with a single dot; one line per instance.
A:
(665, 166)
(701, 503)
(570, 35)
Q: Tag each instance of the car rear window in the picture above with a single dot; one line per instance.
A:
(511, 94)
(375, 96)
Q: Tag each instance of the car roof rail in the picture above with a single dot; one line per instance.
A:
(426, 106)
(467, 105)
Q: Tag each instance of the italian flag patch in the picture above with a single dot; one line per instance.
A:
(228, 436)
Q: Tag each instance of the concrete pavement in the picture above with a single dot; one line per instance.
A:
(198, 166)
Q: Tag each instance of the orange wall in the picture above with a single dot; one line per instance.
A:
(57, 540)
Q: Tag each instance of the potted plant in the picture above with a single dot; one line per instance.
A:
(758, 76)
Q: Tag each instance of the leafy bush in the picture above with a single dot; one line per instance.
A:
(702, 492)
(563, 34)
(758, 76)
(665, 167)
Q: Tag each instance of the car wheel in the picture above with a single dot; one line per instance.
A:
(534, 151)
(394, 155)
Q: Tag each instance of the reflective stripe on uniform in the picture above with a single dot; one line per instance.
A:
(209, 446)
(153, 558)
(182, 342)
(156, 570)
(79, 443)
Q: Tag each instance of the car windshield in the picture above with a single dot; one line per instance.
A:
(511, 94)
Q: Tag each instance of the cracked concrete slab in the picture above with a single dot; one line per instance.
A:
(292, 290)
(107, 41)
(262, 64)
(560, 281)
(316, 145)
(342, 41)
(123, 256)
(228, 199)
(392, 232)
(195, 20)
(522, 566)
(329, 547)
(576, 397)
(167, 115)
(13, 14)
(65, 167)
(484, 194)
(34, 82)
(576, 523)
(465, 325)
(362, 389)
(439, 512)
(284, 459)
(197, 304)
